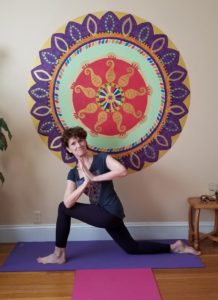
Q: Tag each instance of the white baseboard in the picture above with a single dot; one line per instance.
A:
(82, 232)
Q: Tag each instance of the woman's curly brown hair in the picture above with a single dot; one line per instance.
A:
(75, 132)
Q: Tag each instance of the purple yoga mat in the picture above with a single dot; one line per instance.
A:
(92, 255)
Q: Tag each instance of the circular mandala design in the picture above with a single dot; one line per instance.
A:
(120, 78)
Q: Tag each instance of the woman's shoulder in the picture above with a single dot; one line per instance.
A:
(100, 160)
(101, 156)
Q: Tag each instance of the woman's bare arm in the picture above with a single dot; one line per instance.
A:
(117, 170)
(72, 193)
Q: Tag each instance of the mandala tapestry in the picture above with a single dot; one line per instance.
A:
(117, 76)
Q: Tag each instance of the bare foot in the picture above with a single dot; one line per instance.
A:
(57, 257)
(180, 247)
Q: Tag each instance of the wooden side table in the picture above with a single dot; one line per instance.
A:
(195, 206)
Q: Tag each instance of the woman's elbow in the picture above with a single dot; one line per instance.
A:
(67, 204)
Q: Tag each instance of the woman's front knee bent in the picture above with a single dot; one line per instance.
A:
(61, 207)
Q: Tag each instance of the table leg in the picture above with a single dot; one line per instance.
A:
(191, 228)
(196, 229)
(214, 235)
(216, 223)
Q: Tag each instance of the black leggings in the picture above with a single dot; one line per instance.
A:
(96, 216)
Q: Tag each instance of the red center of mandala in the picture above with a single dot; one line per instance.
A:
(110, 96)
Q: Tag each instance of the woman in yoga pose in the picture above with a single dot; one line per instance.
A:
(93, 176)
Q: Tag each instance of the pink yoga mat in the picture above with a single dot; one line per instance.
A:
(115, 284)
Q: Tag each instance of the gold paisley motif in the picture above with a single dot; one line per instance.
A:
(135, 65)
(95, 79)
(129, 109)
(111, 55)
(102, 118)
(131, 93)
(89, 92)
(118, 118)
(149, 90)
(124, 80)
(110, 74)
(89, 109)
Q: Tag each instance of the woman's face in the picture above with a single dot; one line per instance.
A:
(77, 147)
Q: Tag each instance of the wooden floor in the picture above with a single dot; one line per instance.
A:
(174, 284)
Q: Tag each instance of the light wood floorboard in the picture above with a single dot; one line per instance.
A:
(174, 284)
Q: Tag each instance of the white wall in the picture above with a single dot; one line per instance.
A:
(35, 178)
